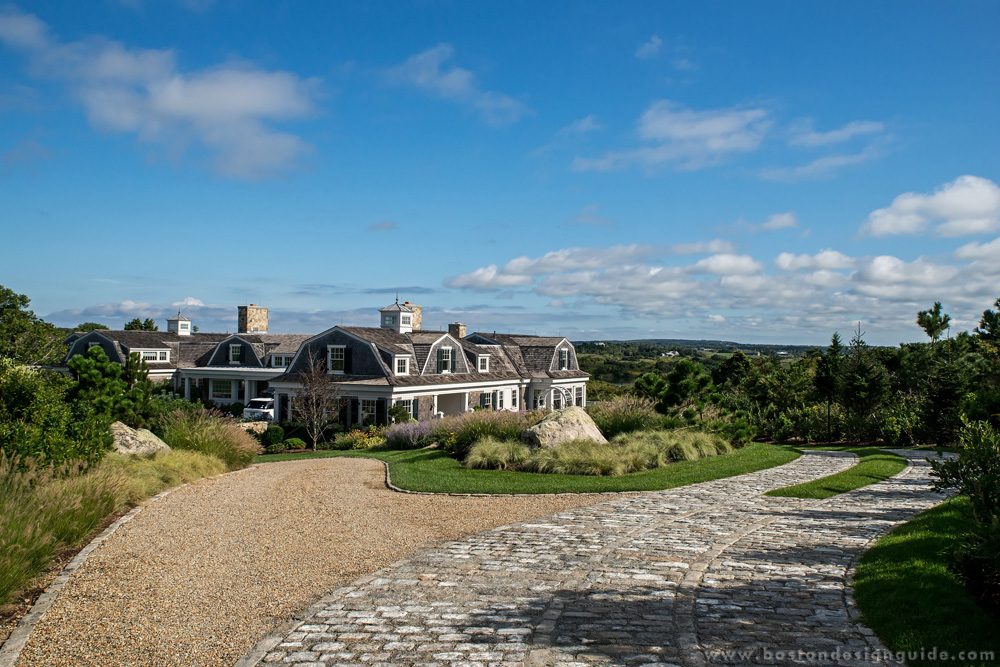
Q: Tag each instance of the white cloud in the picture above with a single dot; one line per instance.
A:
(824, 260)
(728, 265)
(703, 247)
(823, 167)
(574, 259)
(802, 133)
(967, 205)
(228, 109)
(780, 221)
(487, 278)
(686, 138)
(582, 126)
(715, 319)
(649, 49)
(980, 251)
(431, 71)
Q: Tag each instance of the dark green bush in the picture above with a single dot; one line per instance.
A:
(273, 435)
(236, 409)
(294, 443)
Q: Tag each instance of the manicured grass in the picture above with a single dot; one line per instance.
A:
(875, 465)
(913, 602)
(433, 470)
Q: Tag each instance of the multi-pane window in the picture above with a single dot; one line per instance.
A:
(222, 389)
(486, 400)
(557, 400)
(184, 326)
(579, 396)
(406, 319)
(388, 320)
(235, 353)
(513, 398)
(537, 400)
(163, 356)
(278, 361)
(484, 364)
(149, 356)
(367, 411)
(563, 359)
(500, 400)
(446, 360)
(335, 359)
(402, 366)
(407, 404)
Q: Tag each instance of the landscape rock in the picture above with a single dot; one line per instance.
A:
(140, 442)
(568, 424)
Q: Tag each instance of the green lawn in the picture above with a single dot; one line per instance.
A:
(433, 470)
(875, 465)
(913, 602)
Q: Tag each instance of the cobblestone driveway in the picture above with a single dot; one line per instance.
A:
(677, 577)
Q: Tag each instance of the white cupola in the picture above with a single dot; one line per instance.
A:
(397, 316)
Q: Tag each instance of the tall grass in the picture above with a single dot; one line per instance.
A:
(493, 454)
(625, 414)
(212, 433)
(409, 435)
(627, 453)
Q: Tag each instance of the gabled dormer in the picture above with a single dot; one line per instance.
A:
(235, 351)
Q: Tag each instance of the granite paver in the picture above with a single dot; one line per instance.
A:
(713, 573)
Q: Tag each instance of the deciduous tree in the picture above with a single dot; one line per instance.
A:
(317, 404)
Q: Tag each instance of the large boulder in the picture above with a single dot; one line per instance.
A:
(569, 424)
(139, 442)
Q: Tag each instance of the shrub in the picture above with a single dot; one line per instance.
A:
(624, 414)
(292, 443)
(371, 436)
(976, 474)
(236, 409)
(211, 433)
(273, 435)
(409, 435)
(493, 454)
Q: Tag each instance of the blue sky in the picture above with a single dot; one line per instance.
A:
(747, 171)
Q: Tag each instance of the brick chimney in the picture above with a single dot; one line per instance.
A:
(457, 330)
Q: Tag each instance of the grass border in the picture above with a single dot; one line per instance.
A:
(434, 471)
(874, 465)
(905, 592)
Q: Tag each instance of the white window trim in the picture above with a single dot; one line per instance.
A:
(238, 349)
(447, 365)
(155, 354)
(406, 404)
(183, 325)
(213, 395)
(406, 365)
(365, 413)
(513, 398)
(482, 358)
(90, 345)
(559, 359)
(500, 393)
(406, 319)
(329, 358)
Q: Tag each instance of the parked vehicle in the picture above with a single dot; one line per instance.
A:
(259, 409)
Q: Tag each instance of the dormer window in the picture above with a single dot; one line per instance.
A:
(402, 366)
(154, 355)
(484, 363)
(406, 319)
(235, 353)
(335, 358)
(184, 326)
(388, 320)
(446, 361)
(563, 360)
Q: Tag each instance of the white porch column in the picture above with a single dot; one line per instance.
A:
(187, 389)
(465, 402)
(435, 410)
(251, 391)
(234, 389)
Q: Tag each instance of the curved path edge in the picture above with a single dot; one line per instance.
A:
(10, 650)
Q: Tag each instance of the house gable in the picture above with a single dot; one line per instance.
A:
(248, 353)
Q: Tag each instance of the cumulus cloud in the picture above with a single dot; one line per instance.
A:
(802, 133)
(728, 265)
(649, 49)
(230, 110)
(980, 251)
(487, 278)
(686, 138)
(824, 260)
(967, 205)
(432, 71)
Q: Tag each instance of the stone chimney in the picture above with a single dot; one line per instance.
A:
(251, 319)
(417, 314)
(457, 330)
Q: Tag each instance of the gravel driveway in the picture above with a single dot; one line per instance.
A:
(200, 576)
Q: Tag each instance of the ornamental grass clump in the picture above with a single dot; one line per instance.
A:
(46, 509)
(210, 432)
(578, 457)
(624, 414)
(493, 454)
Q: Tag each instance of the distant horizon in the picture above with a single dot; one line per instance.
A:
(765, 171)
